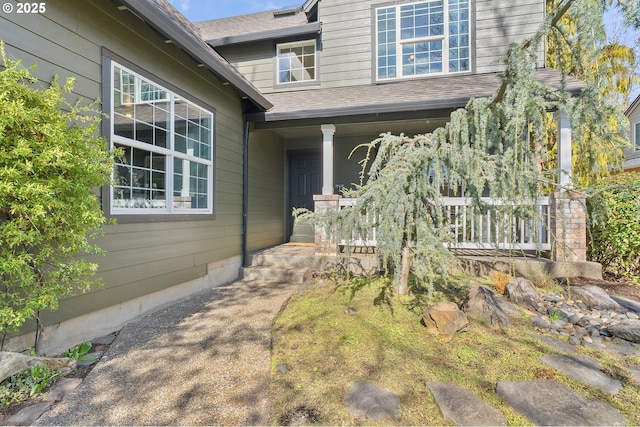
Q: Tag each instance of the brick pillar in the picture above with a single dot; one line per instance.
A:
(326, 244)
(568, 226)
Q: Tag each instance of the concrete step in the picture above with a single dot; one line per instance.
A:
(286, 261)
(271, 274)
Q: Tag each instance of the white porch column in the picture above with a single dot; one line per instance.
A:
(327, 158)
(564, 149)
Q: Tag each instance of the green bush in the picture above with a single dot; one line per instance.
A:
(26, 384)
(614, 214)
(51, 161)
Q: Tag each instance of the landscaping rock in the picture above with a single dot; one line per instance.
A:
(584, 369)
(555, 343)
(628, 330)
(549, 403)
(61, 388)
(463, 407)
(11, 363)
(593, 296)
(634, 373)
(482, 303)
(630, 304)
(446, 319)
(522, 292)
(28, 415)
(367, 401)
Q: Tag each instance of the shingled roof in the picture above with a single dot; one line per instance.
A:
(166, 20)
(448, 92)
(251, 23)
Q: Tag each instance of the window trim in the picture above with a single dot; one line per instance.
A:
(316, 65)
(399, 42)
(636, 137)
(149, 215)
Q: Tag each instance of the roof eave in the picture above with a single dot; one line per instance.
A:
(149, 12)
(298, 30)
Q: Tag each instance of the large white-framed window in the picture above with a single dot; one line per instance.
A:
(167, 144)
(296, 61)
(422, 38)
(636, 143)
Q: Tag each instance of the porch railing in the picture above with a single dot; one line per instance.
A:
(492, 229)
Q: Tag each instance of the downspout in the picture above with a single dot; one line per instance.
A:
(245, 192)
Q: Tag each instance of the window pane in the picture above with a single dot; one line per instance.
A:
(423, 38)
(145, 115)
(139, 179)
(296, 61)
(190, 185)
(637, 144)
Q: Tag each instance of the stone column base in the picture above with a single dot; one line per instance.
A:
(569, 226)
(326, 242)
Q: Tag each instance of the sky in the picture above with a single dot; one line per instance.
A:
(202, 10)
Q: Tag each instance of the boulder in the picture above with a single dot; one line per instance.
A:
(628, 330)
(446, 319)
(593, 296)
(11, 363)
(482, 303)
(522, 292)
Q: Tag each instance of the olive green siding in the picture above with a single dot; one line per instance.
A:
(347, 52)
(255, 62)
(144, 257)
(266, 190)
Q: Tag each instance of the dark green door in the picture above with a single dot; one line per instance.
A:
(305, 179)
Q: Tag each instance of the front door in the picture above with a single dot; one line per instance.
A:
(305, 180)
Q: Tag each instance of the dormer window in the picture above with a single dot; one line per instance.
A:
(422, 38)
(296, 61)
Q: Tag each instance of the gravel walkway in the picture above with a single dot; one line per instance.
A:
(203, 361)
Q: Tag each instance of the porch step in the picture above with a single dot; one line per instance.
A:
(270, 274)
(284, 263)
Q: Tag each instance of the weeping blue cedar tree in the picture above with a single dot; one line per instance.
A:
(494, 145)
(51, 162)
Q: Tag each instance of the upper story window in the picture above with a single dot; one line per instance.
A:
(422, 38)
(167, 166)
(636, 144)
(296, 61)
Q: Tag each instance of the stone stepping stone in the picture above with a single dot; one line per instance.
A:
(549, 403)
(583, 368)
(29, 415)
(634, 371)
(555, 343)
(463, 407)
(367, 401)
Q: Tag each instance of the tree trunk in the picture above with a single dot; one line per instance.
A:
(405, 266)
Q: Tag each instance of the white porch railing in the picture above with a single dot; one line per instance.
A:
(491, 230)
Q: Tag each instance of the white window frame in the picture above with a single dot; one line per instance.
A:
(170, 153)
(301, 43)
(445, 38)
(636, 132)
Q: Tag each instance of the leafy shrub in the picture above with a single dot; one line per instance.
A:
(51, 162)
(26, 384)
(500, 280)
(614, 216)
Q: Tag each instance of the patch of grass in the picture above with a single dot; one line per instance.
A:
(500, 280)
(330, 338)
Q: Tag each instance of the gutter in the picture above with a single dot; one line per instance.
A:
(245, 192)
(169, 27)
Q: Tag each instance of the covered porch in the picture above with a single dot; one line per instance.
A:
(329, 123)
